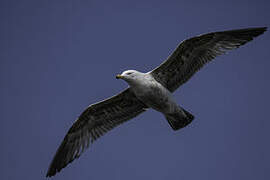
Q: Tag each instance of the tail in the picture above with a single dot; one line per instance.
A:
(179, 119)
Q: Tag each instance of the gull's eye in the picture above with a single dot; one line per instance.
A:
(129, 73)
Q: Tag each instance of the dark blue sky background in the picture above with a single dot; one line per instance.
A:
(57, 57)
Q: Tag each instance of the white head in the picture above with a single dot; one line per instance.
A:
(130, 76)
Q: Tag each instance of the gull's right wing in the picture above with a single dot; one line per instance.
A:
(193, 53)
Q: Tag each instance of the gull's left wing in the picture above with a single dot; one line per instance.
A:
(195, 52)
(95, 121)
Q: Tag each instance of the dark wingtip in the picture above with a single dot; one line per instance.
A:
(253, 32)
(258, 31)
(54, 168)
(50, 173)
(264, 28)
(246, 35)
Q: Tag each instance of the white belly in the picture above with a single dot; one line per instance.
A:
(154, 95)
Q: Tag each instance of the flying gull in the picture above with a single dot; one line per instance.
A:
(149, 90)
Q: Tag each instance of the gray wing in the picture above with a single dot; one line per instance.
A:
(193, 53)
(95, 121)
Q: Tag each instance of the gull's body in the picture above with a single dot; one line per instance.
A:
(155, 95)
(149, 90)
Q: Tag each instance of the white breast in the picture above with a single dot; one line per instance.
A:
(153, 94)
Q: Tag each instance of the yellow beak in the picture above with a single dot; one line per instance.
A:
(118, 76)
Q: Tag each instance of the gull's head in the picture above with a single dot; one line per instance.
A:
(130, 75)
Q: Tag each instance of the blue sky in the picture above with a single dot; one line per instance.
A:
(57, 57)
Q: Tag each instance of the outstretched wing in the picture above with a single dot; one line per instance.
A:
(95, 121)
(193, 53)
